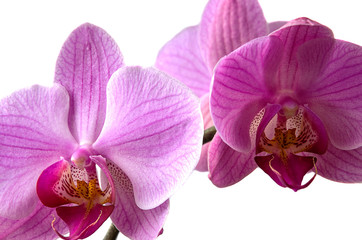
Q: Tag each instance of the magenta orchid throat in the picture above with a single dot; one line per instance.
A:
(291, 103)
(98, 113)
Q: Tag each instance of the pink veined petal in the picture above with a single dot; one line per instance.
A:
(86, 62)
(34, 133)
(273, 26)
(293, 35)
(334, 93)
(238, 91)
(129, 219)
(153, 132)
(181, 58)
(228, 24)
(35, 226)
(340, 165)
(205, 111)
(228, 166)
(202, 166)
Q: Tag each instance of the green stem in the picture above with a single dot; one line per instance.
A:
(209, 134)
(112, 233)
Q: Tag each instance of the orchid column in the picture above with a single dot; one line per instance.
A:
(142, 128)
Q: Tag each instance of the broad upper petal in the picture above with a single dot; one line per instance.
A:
(153, 132)
(334, 93)
(239, 91)
(292, 36)
(181, 58)
(273, 26)
(228, 166)
(340, 165)
(129, 219)
(86, 62)
(34, 133)
(228, 24)
(35, 226)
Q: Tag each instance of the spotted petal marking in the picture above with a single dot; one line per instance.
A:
(292, 135)
(62, 183)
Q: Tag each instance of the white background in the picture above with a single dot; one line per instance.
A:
(32, 33)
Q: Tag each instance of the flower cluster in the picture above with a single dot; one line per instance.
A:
(288, 102)
(115, 141)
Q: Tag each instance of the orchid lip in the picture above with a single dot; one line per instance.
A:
(293, 134)
(76, 193)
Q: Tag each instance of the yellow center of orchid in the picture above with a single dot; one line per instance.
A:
(284, 142)
(87, 191)
(81, 191)
(292, 134)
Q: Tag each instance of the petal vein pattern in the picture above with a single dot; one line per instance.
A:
(86, 62)
(158, 132)
(34, 133)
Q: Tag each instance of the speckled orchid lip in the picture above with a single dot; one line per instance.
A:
(76, 194)
(293, 134)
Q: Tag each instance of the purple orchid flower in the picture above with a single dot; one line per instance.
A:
(292, 102)
(142, 129)
(192, 54)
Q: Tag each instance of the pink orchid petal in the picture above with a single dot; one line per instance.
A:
(34, 133)
(35, 226)
(273, 26)
(238, 91)
(81, 221)
(335, 94)
(153, 132)
(181, 58)
(86, 62)
(228, 24)
(340, 165)
(228, 166)
(205, 111)
(202, 166)
(293, 35)
(129, 219)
